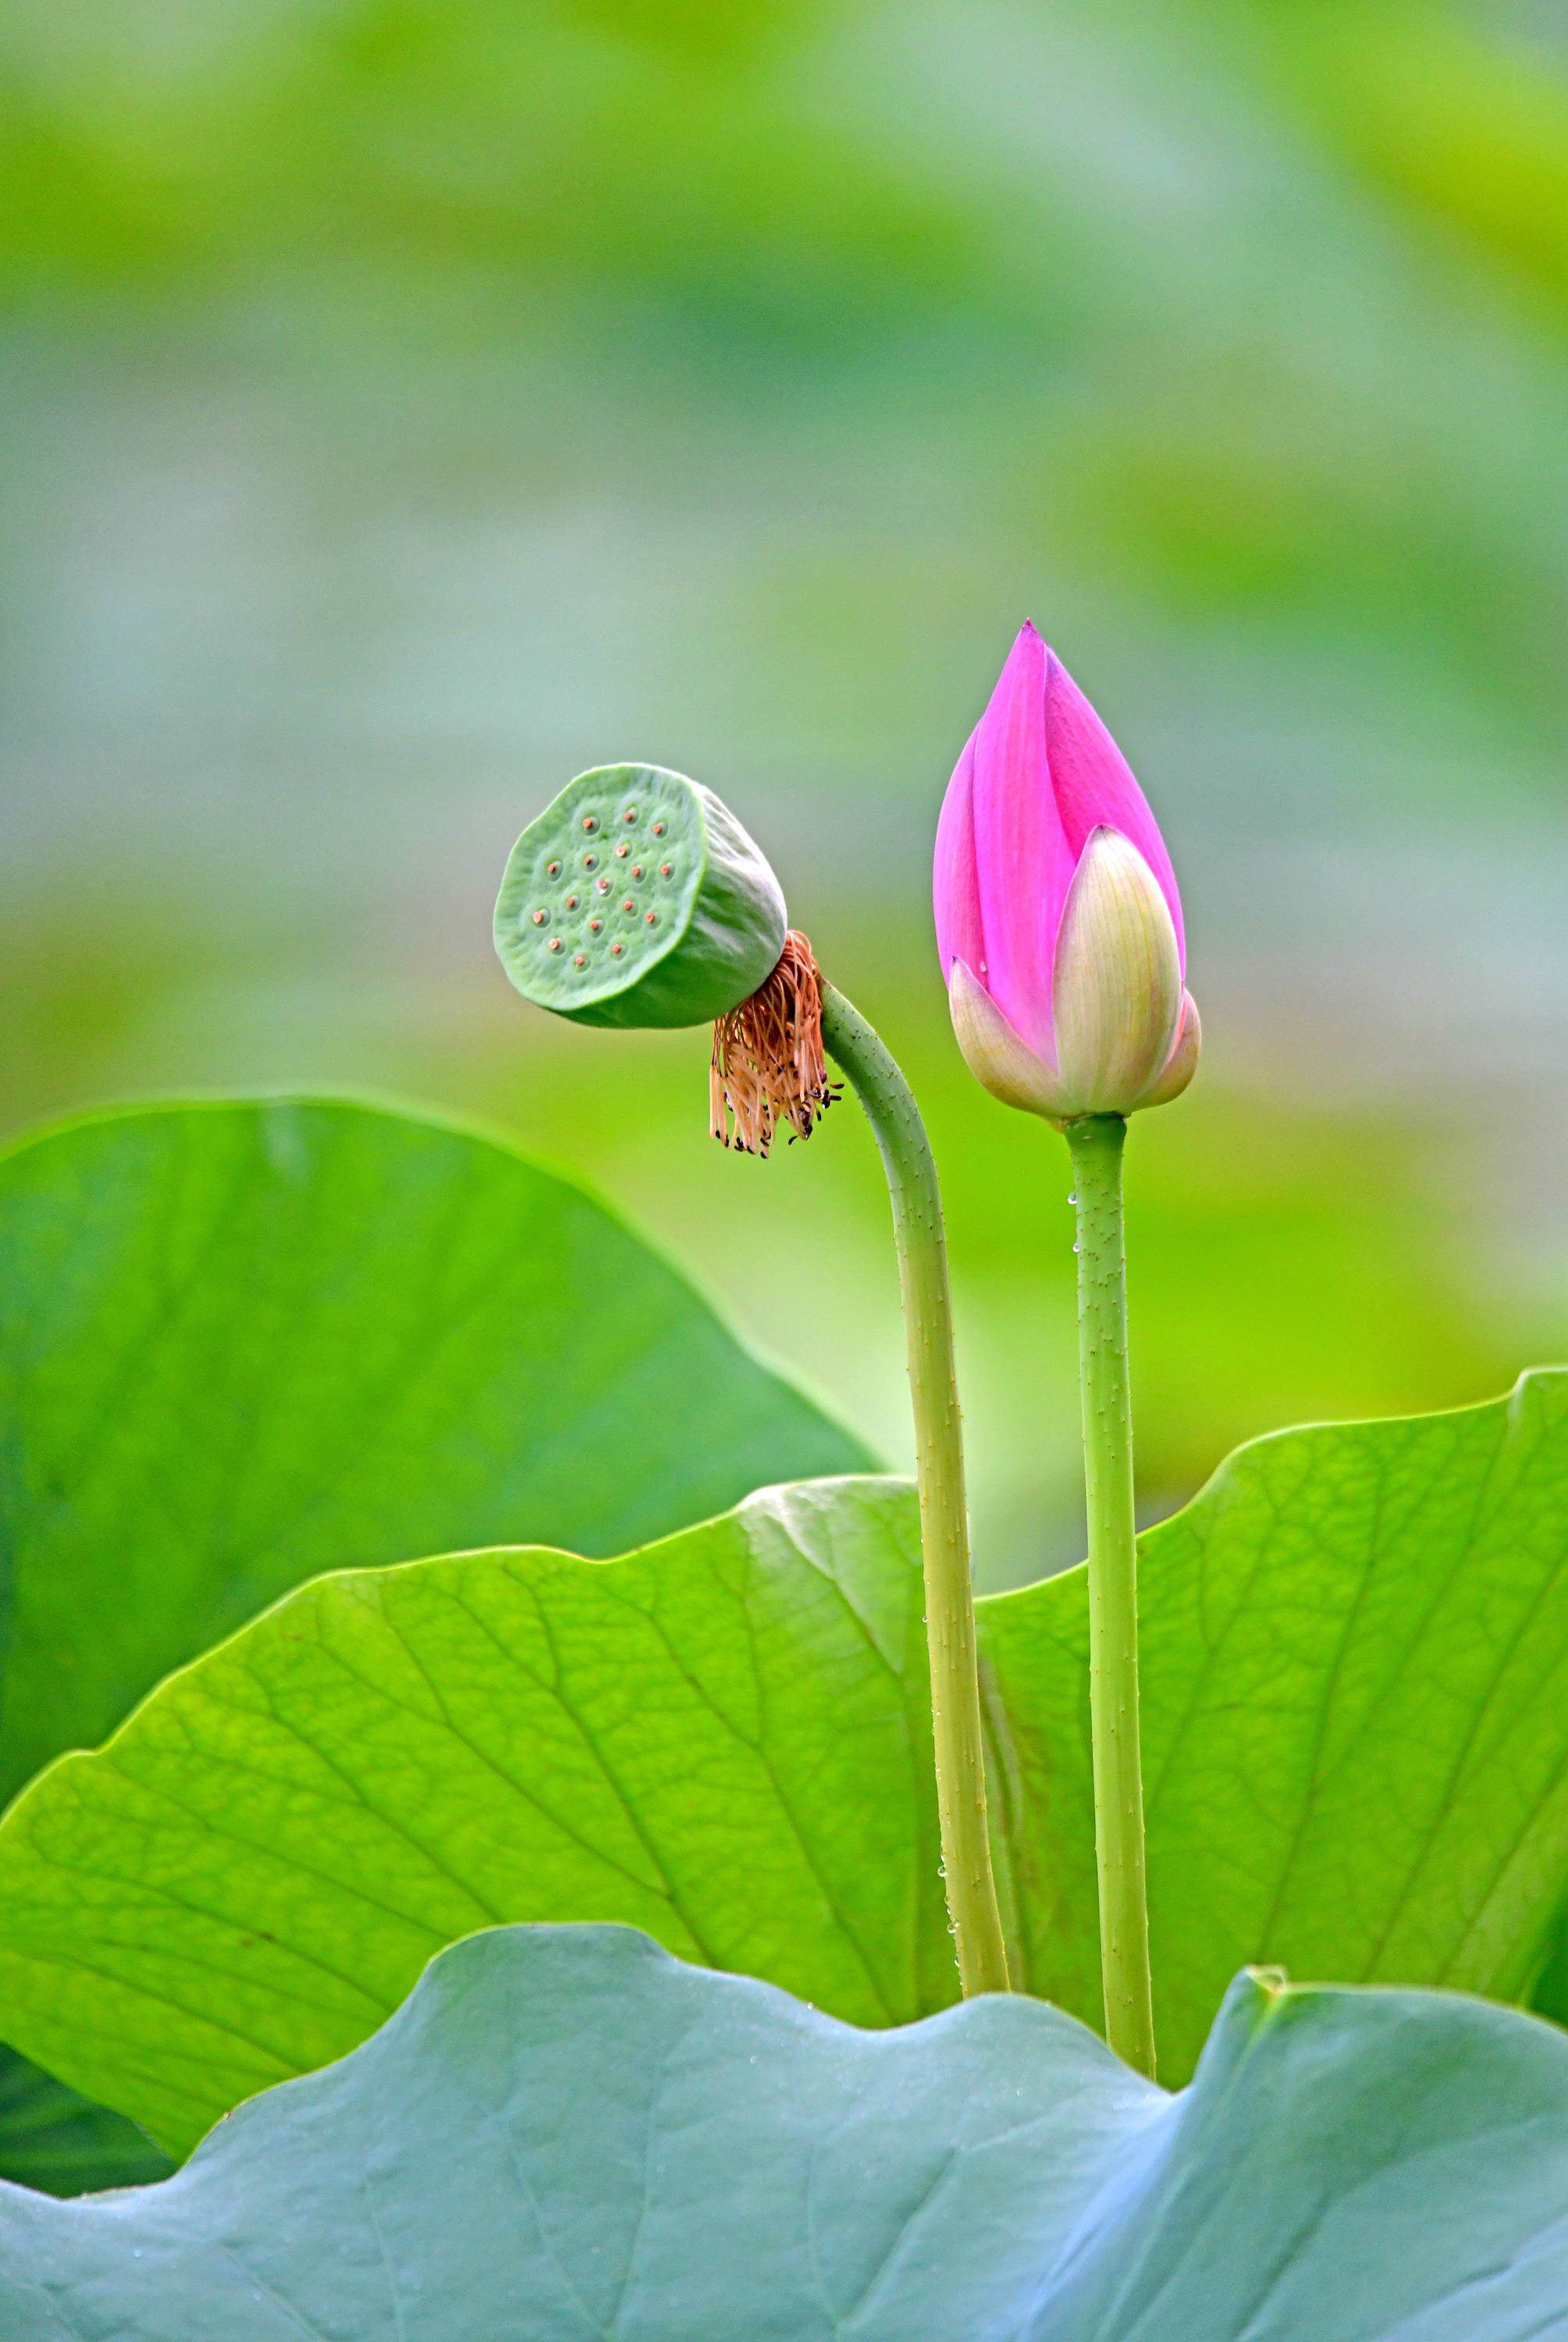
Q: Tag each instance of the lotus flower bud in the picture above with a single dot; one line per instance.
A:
(637, 899)
(1057, 917)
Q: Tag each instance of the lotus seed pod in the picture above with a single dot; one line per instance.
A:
(637, 899)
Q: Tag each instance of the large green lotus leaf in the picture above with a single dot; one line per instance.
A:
(242, 1342)
(564, 2133)
(1354, 1670)
(725, 1739)
(1356, 1688)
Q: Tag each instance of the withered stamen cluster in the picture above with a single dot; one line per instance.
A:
(768, 1065)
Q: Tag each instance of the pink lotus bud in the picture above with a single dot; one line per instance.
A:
(1057, 915)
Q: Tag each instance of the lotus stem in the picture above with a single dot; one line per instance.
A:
(922, 1246)
(1096, 1143)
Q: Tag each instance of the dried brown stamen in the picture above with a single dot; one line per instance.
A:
(768, 1065)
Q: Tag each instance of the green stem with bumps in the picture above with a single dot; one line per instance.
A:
(1096, 1144)
(922, 1246)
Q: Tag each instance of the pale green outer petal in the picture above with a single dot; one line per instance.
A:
(1117, 994)
(994, 1054)
(1182, 1062)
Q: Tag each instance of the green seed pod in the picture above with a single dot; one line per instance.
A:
(637, 899)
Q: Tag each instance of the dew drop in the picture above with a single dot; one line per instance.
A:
(1073, 1197)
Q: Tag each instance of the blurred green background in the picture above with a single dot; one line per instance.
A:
(409, 403)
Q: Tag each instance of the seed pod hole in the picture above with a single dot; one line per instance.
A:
(590, 821)
(572, 901)
(554, 942)
(665, 868)
(622, 851)
(538, 918)
(630, 814)
(594, 925)
(628, 904)
(590, 862)
(653, 918)
(616, 949)
(553, 871)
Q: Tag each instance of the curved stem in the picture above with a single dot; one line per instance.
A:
(1096, 1147)
(922, 1246)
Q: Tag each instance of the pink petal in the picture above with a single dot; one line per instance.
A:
(1092, 785)
(1022, 859)
(956, 881)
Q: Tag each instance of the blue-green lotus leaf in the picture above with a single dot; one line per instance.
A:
(566, 2134)
(637, 899)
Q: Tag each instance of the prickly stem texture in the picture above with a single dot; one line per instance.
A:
(922, 1246)
(1096, 1144)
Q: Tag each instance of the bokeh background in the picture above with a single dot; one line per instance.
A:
(408, 403)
